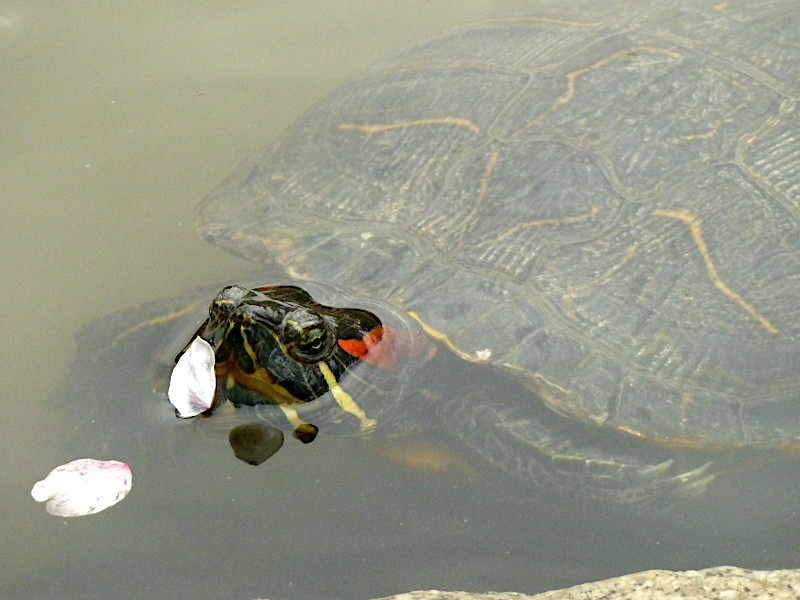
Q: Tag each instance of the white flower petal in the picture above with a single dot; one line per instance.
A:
(193, 382)
(83, 487)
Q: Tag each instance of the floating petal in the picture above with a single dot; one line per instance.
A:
(193, 382)
(83, 487)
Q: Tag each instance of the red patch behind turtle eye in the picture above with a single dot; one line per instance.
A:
(361, 348)
(376, 348)
(355, 347)
(387, 348)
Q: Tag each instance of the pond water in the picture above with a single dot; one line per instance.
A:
(119, 118)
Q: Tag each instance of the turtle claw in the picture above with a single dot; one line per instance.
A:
(694, 482)
(689, 483)
(628, 481)
(655, 470)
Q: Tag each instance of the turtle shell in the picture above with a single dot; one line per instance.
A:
(607, 210)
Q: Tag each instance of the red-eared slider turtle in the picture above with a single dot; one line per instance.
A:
(605, 213)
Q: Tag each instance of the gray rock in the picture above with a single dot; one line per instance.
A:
(717, 583)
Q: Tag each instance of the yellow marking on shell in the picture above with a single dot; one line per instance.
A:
(457, 121)
(571, 293)
(544, 222)
(442, 337)
(486, 177)
(491, 164)
(345, 400)
(627, 54)
(693, 223)
(611, 271)
(673, 443)
(683, 407)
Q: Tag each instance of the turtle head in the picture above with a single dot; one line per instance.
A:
(277, 345)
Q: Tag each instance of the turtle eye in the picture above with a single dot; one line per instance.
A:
(311, 342)
(307, 336)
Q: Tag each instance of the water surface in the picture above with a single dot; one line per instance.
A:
(119, 118)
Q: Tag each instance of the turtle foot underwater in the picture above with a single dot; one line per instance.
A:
(578, 461)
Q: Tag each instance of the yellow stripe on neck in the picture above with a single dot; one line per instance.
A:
(292, 416)
(344, 399)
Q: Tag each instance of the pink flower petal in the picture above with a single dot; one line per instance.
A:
(193, 382)
(83, 487)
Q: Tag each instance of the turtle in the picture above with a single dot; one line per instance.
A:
(583, 235)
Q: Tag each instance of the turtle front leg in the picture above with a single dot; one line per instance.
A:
(548, 450)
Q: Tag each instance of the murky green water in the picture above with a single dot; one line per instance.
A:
(118, 119)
